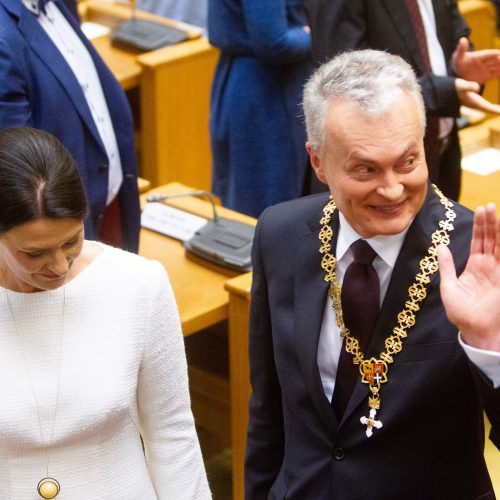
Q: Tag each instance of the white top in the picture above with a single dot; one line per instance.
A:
(123, 375)
(330, 341)
(436, 54)
(80, 62)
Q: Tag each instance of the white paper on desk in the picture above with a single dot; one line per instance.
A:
(171, 221)
(483, 162)
(94, 30)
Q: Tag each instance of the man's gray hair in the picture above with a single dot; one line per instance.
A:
(370, 79)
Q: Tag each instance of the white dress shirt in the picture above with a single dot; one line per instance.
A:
(436, 55)
(330, 341)
(81, 64)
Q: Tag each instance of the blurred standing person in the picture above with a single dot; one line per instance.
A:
(53, 79)
(432, 37)
(256, 125)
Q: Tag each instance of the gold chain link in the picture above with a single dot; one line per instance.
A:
(417, 292)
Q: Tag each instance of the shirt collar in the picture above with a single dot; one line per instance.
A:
(386, 246)
(35, 6)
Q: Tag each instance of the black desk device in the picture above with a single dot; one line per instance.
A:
(140, 34)
(225, 242)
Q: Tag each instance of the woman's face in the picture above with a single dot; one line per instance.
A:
(39, 255)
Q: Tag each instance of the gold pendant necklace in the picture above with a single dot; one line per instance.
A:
(374, 371)
(47, 487)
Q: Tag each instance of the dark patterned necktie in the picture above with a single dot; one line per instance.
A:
(360, 298)
(432, 131)
(418, 26)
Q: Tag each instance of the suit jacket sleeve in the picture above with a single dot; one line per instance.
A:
(491, 401)
(15, 109)
(362, 24)
(166, 423)
(265, 438)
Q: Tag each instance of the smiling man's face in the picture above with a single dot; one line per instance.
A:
(374, 165)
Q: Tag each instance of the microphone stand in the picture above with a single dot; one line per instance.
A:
(156, 198)
(222, 241)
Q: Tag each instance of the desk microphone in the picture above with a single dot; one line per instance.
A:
(222, 241)
(156, 198)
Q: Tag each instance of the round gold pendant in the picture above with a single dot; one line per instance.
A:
(48, 487)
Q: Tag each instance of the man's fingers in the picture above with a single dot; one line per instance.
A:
(490, 229)
(476, 101)
(463, 86)
(462, 46)
(446, 267)
(497, 246)
(486, 55)
(476, 244)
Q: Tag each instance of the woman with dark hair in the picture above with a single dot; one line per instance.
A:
(40, 177)
(91, 351)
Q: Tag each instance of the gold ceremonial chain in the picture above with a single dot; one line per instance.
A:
(374, 371)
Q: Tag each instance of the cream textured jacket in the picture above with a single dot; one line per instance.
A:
(85, 371)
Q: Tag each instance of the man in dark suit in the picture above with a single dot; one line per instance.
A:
(437, 49)
(52, 78)
(411, 424)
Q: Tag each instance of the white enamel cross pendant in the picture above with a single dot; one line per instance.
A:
(370, 422)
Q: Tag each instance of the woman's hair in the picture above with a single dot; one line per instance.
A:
(39, 179)
(372, 80)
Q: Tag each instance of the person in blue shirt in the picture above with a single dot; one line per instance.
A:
(256, 125)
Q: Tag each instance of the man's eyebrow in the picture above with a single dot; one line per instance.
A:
(359, 155)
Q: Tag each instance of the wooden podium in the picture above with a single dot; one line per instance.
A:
(174, 85)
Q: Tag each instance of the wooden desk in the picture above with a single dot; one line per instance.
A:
(478, 189)
(239, 374)
(198, 287)
(203, 301)
(174, 97)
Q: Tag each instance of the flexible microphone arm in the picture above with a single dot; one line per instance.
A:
(156, 198)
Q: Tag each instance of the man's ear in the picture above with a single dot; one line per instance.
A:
(316, 163)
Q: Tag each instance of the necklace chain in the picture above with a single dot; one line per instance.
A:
(30, 378)
(374, 371)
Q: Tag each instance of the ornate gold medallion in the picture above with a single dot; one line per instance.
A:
(374, 371)
(48, 487)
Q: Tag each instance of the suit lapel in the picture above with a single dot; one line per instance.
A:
(404, 26)
(310, 294)
(43, 47)
(415, 247)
